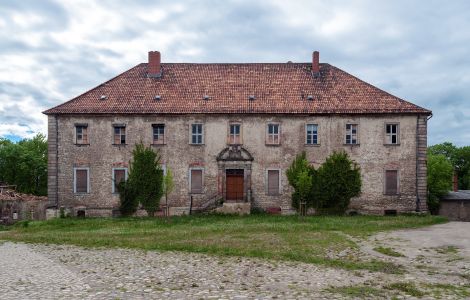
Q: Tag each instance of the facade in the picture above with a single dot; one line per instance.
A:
(230, 131)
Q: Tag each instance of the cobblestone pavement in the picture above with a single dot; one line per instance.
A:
(434, 255)
(58, 272)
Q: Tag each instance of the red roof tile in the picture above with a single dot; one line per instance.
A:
(278, 88)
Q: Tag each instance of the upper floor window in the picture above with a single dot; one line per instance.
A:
(158, 133)
(234, 136)
(119, 134)
(351, 134)
(197, 134)
(119, 175)
(81, 180)
(81, 134)
(391, 133)
(273, 137)
(311, 134)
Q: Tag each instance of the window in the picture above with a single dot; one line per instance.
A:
(81, 180)
(234, 134)
(119, 135)
(158, 134)
(196, 134)
(273, 182)
(351, 134)
(391, 132)
(311, 134)
(81, 134)
(273, 134)
(119, 175)
(195, 179)
(391, 182)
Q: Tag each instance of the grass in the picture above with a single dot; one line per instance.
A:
(310, 239)
(408, 288)
(388, 251)
(357, 291)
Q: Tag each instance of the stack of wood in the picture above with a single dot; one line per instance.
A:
(10, 194)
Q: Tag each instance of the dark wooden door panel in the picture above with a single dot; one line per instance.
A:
(234, 186)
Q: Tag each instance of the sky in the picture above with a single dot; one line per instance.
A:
(52, 51)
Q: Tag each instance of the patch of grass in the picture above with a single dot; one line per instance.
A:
(357, 291)
(388, 251)
(439, 290)
(447, 249)
(313, 239)
(408, 288)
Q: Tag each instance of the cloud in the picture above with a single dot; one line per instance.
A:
(52, 51)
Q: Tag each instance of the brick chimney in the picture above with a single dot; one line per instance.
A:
(455, 182)
(316, 63)
(154, 67)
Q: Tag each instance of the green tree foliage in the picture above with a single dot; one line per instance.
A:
(24, 164)
(168, 185)
(145, 182)
(339, 180)
(128, 199)
(304, 186)
(459, 158)
(298, 166)
(440, 172)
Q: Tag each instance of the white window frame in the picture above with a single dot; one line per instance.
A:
(266, 181)
(306, 135)
(240, 133)
(113, 182)
(388, 136)
(270, 136)
(75, 180)
(196, 134)
(385, 182)
(120, 134)
(349, 132)
(202, 179)
(163, 142)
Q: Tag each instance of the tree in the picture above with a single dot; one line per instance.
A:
(447, 149)
(168, 186)
(304, 185)
(298, 166)
(459, 158)
(128, 200)
(340, 180)
(145, 182)
(439, 177)
(24, 164)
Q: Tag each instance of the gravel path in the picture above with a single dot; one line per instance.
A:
(433, 255)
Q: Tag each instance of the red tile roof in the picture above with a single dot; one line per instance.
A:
(278, 88)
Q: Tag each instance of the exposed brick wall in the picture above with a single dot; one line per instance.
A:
(421, 164)
(52, 160)
(371, 154)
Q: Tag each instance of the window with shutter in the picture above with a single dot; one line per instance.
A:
(196, 181)
(119, 175)
(273, 182)
(391, 182)
(81, 134)
(81, 180)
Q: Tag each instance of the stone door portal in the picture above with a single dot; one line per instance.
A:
(234, 184)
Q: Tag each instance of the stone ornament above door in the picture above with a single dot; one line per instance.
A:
(234, 153)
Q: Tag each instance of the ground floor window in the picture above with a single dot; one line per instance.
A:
(391, 182)
(119, 175)
(81, 180)
(196, 181)
(273, 182)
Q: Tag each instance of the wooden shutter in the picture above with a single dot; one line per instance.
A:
(391, 182)
(273, 182)
(196, 181)
(119, 175)
(81, 181)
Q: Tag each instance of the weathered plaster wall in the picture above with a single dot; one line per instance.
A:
(371, 153)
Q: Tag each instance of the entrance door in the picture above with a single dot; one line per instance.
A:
(234, 184)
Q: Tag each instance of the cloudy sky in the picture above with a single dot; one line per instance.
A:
(51, 51)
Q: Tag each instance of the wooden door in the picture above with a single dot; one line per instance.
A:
(234, 184)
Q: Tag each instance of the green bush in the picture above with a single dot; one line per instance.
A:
(339, 179)
(128, 201)
(440, 173)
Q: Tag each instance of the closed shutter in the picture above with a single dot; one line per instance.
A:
(81, 181)
(196, 181)
(273, 182)
(391, 182)
(119, 175)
